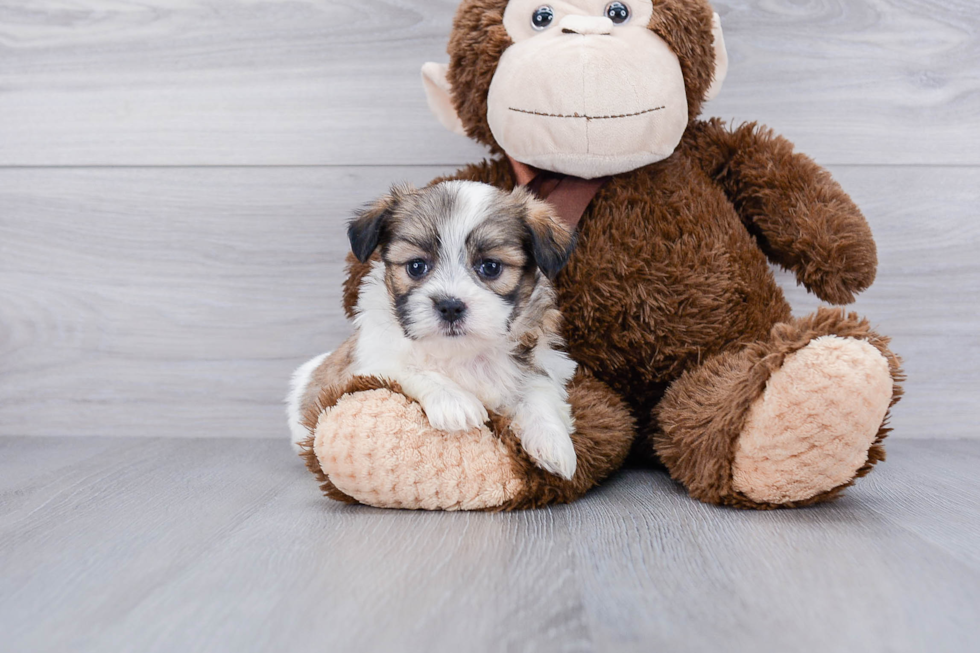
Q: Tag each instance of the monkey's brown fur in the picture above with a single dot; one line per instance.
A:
(668, 300)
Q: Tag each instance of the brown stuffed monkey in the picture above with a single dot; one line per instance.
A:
(687, 350)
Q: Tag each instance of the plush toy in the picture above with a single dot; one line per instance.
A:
(687, 350)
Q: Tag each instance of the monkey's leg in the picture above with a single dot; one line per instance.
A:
(371, 444)
(787, 422)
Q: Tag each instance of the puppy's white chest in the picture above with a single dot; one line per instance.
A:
(492, 377)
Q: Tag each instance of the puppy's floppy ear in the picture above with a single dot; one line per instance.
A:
(551, 242)
(368, 226)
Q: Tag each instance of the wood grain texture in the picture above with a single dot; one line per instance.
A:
(856, 574)
(188, 82)
(176, 302)
(217, 545)
(169, 302)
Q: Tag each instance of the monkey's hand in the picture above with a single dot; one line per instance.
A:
(802, 219)
(834, 257)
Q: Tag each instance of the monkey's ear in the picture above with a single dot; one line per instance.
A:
(551, 242)
(440, 96)
(366, 228)
(721, 59)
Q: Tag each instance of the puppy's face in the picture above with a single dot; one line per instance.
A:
(461, 258)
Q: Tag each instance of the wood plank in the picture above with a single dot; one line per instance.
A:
(226, 545)
(670, 574)
(32, 466)
(100, 82)
(231, 540)
(930, 505)
(169, 302)
(176, 302)
(857, 81)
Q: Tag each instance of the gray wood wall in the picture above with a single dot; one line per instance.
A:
(175, 175)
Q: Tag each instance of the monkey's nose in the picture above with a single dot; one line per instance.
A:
(451, 309)
(586, 25)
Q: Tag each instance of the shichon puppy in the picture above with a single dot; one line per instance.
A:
(459, 310)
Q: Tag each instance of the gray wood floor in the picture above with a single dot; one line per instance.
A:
(154, 544)
(174, 180)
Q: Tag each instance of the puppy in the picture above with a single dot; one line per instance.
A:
(459, 310)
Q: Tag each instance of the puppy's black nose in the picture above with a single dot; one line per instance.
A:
(451, 309)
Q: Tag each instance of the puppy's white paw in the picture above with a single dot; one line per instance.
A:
(451, 409)
(550, 447)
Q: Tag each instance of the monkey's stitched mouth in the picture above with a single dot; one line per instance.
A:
(586, 117)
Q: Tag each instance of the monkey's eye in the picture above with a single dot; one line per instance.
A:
(417, 268)
(618, 12)
(489, 268)
(542, 17)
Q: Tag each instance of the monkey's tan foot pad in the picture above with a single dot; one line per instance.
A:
(377, 447)
(812, 428)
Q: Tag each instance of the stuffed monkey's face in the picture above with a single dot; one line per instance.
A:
(582, 87)
(586, 89)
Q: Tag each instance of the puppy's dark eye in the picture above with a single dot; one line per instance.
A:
(617, 12)
(489, 268)
(417, 268)
(542, 17)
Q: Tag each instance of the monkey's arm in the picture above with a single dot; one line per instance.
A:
(801, 218)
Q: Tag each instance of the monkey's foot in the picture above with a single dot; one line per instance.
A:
(371, 444)
(812, 428)
(378, 447)
(788, 421)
